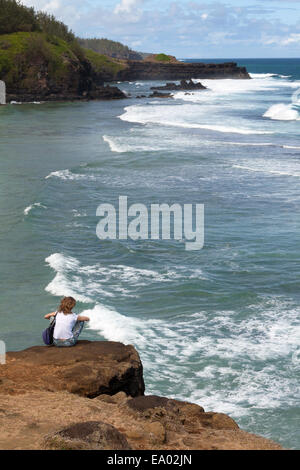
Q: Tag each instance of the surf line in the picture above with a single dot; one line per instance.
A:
(188, 222)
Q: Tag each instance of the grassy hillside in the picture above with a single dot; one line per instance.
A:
(110, 48)
(103, 64)
(162, 58)
(22, 53)
(27, 58)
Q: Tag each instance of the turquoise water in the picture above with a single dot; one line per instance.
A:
(219, 326)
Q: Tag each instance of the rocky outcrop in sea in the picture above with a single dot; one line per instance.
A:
(185, 85)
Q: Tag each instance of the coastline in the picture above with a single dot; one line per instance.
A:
(258, 412)
(52, 391)
(93, 85)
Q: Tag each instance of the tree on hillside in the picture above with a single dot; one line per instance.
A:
(16, 17)
(111, 48)
(49, 25)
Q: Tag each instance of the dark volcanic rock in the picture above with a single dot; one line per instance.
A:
(89, 369)
(90, 435)
(94, 93)
(81, 83)
(174, 413)
(147, 70)
(184, 85)
(146, 402)
(106, 93)
(156, 94)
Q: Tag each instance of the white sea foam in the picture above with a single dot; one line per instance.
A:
(150, 141)
(259, 144)
(224, 97)
(262, 75)
(249, 144)
(265, 339)
(77, 213)
(282, 112)
(97, 280)
(30, 102)
(269, 170)
(68, 175)
(161, 115)
(114, 145)
(228, 87)
(217, 345)
(233, 130)
(67, 282)
(291, 147)
(133, 144)
(32, 206)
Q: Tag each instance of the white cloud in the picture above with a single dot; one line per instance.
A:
(215, 28)
(282, 40)
(290, 40)
(126, 6)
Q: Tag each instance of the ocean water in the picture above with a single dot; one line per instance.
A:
(220, 326)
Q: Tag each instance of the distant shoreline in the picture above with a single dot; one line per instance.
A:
(132, 71)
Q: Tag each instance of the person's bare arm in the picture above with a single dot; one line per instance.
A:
(49, 315)
(80, 318)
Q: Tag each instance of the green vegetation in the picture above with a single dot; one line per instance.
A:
(34, 45)
(103, 64)
(37, 52)
(110, 48)
(162, 58)
(15, 17)
(22, 53)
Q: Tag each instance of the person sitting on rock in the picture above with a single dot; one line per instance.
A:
(68, 325)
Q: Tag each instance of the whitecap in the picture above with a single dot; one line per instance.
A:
(114, 144)
(282, 112)
(216, 345)
(293, 147)
(266, 170)
(160, 115)
(68, 175)
(90, 281)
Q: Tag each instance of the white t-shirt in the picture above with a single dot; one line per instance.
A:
(64, 325)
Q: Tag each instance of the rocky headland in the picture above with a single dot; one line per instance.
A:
(38, 67)
(148, 70)
(92, 397)
(42, 60)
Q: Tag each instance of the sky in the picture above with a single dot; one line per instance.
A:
(187, 28)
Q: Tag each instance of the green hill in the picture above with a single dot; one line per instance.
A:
(110, 48)
(41, 58)
(31, 60)
(23, 53)
(103, 65)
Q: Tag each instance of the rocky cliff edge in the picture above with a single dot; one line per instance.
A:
(91, 396)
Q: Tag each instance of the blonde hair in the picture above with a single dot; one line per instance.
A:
(66, 305)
